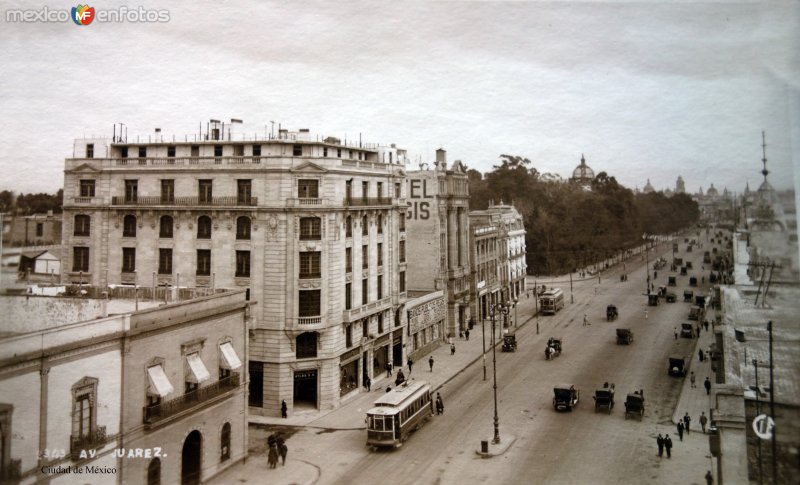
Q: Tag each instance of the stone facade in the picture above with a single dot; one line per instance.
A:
(427, 313)
(512, 259)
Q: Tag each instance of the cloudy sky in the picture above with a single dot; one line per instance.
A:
(645, 90)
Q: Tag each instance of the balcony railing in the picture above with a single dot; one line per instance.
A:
(186, 201)
(85, 200)
(153, 414)
(87, 443)
(366, 201)
(309, 320)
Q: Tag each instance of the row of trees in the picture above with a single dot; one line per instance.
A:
(28, 204)
(568, 227)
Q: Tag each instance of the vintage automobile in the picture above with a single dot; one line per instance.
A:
(624, 336)
(652, 299)
(700, 301)
(693, 281)
(687, 330)
(688, 295)
(604, 398)
(509, 342)
(678, 261)
(671, 297)
(611, 312)
(553, 348)
(565, 397)
(695, 313)
(671, 281)
(677, 366)
(634, 404)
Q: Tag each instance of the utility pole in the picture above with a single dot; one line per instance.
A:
(772, 409)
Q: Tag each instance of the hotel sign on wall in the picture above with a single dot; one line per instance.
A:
(420, 197)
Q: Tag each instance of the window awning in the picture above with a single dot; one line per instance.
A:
(230, 360)
(159, 383)
(197, 370)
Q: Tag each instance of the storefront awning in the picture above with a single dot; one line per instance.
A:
(159, 383)
(197, 370)
(230, 360)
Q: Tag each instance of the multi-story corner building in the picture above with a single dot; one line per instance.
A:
(512, 255)
(485, 248)
(152, 396)
(438, 230)
(312, 226)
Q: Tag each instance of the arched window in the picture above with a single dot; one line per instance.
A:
(203, 227)
(306, 345)
(225, 442)
(82, 225)
(165, 228)
(129, 226)
(348, 227)
(364, 226)
(310, 228)
(154, 472)
(243, 227)
(380, 223)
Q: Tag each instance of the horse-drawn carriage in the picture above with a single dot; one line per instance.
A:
(604, 398)
(553, 348)
(688, 295)
(611, 312)
(693, 281)
(634, 404)
(624, 336)
(671, 281)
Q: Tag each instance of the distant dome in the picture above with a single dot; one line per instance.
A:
(583, 173)
(648, 188)
(712, 192)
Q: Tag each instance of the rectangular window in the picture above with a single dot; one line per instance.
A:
(348, 260)
(87, 188)
(309, 303)
(131, 190)
(195, 150)
(339, 152)
(310, 229)
(365, 189)
(123, 152)
(380, 323)
(142, 152)
(348, 296)
(397, 190)
(203, 262)
(165, 261)
(238, 150)
(83, 225)
(380, 254)
(349, 335)
(308, 189)
(217, 150)
(402, 281)
(171, 151)
(310, 264)
(365, 327)
(324, 151)
(82, 418)
(204, 191)
(380, 287)
(167, 191)
(256, 150)
(80, 259)
(364, 291)
(244, 191)
(90, 150)
(297, 150)
(364, 256)
(380, 189)
(39, 229)
(403, 251)
(402, 221)
(242, 264)
(128, 260)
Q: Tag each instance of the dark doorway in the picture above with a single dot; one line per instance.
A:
(256, 386)
(305, 388)
(190, 458)
(364, 366)
(397, 349)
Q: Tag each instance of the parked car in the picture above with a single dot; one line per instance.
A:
(687, 330)
(677, 366)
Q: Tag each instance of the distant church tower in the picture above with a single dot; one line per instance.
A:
(680, 187)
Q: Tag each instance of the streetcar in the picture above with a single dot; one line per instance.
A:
(551, 301)
(398, 413)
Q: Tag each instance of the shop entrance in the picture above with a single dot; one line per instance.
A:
(190, 458)
(305, 388)
(380, 359)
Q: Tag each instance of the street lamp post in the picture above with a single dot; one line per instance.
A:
(502, 309)
(483, 334)
(515, 311)
(647, 263)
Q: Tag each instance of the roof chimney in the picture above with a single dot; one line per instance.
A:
(441, 156)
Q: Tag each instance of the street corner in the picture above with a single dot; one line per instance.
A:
(257, 470)
(488, 449)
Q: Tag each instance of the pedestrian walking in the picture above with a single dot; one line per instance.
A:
(452, 348)
(686, 421)
(680, 429)
(668, 445)
(272, 456)
(284, 409)
(703, 421)
(430, 363)
(660, 443)
(705, 324)
(466, 333)
(585, 320)
(709, 478)
(282, 449)
(410, 363)
(707, 385)
(388, 369)
(439, 404)
(368, 383)
(676, 332)
(700, 354)
(691, 378)
(699, 328)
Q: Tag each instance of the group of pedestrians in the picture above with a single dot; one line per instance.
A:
(664, 443)
(276, 447)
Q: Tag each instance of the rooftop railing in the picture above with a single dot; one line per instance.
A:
(186, 201)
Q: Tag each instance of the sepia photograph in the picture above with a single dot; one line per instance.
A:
(440, 242)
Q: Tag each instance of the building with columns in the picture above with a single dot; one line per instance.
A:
(511, 260)
(485, 282)
(314, 227)
(438, 236)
